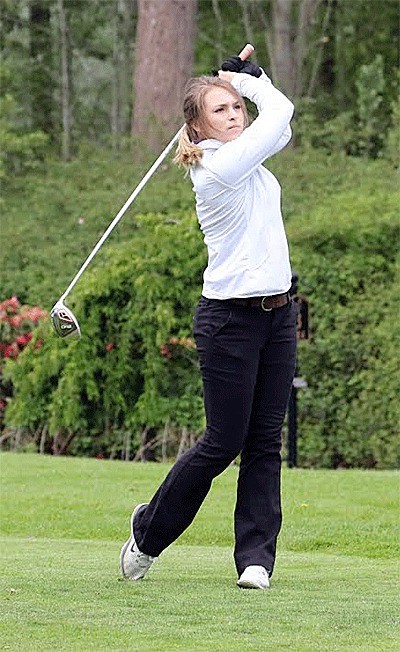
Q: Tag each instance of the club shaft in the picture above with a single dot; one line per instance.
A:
(121, 213)
(244, 54)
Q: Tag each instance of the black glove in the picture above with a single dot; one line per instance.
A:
(235, 64)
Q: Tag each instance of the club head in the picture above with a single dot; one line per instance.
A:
(64, 321)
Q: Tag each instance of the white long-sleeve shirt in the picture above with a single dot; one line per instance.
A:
(238, 201)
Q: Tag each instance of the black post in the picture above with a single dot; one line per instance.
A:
(302, 334)
(292, 429)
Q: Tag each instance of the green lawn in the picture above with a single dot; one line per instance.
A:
(63, 520)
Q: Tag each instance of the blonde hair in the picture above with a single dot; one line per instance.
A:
(188, 152)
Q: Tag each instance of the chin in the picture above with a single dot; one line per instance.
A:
(233, 135)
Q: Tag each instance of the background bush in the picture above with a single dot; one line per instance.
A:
(132, 384)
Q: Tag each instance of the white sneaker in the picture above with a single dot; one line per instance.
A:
(254, 577)
(134, 563)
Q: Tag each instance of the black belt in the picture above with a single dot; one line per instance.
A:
(264, 303)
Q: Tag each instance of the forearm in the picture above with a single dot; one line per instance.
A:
(268, 133)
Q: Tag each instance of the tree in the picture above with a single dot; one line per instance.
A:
(121, 76)
(290, 44)
(164, 60)
(41, 65)
(65, 84)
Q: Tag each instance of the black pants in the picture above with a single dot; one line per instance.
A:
(247, 360)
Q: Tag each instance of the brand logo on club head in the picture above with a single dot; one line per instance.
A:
(62, 314)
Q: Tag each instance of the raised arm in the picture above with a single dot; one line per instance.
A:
(268, 134)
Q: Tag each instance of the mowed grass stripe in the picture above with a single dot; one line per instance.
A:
(63, 521)
(344, 512)
(67, 595)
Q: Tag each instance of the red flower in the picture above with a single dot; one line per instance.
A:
(38, 343)
(166, 352)
(109, 346)
(22, 340)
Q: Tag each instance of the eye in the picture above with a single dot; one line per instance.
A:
(220, 108)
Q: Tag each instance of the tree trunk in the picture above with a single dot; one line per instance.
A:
(121, 72)
(284, 65)
(116, 100)
(307, 11)
(291, 43)
(164, 61)
(41, 62)
(65, 85)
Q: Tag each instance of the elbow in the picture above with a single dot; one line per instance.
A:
(289, 110)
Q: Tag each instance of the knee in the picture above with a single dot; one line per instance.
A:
(225, 452)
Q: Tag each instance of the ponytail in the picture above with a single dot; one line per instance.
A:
(187, 152)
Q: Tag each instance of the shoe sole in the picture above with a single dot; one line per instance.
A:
(129, 541)
(249, 585)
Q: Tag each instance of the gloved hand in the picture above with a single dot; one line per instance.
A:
(235, 64)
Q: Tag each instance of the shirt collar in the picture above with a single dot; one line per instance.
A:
(210, 143)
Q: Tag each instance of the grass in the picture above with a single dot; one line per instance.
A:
(63, 520)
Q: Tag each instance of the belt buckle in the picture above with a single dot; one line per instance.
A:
(263, 307)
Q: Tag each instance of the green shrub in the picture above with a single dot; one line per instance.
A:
(360, 131)
(347, 257)
(135, 366)
(20, 150)
(16, 325)
(133, 377)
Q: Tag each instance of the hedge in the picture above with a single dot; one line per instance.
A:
(132, 382)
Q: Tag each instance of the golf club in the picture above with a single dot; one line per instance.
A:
(63, 319)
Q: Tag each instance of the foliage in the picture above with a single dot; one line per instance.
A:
(345, 37)
(136, 312)
(347, 257)
(135, 367)
(21, 150)
(361, 130)
(17, 323)
(391, 150)
(54, 220)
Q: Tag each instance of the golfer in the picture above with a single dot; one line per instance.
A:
(244, 324)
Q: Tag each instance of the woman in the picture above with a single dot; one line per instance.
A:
(244, 325)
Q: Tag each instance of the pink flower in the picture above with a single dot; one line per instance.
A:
(10, 305)
(109, 346)
(16, 321)
(35, 314)
(11, 350)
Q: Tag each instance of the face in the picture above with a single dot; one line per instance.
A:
(223, 115)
